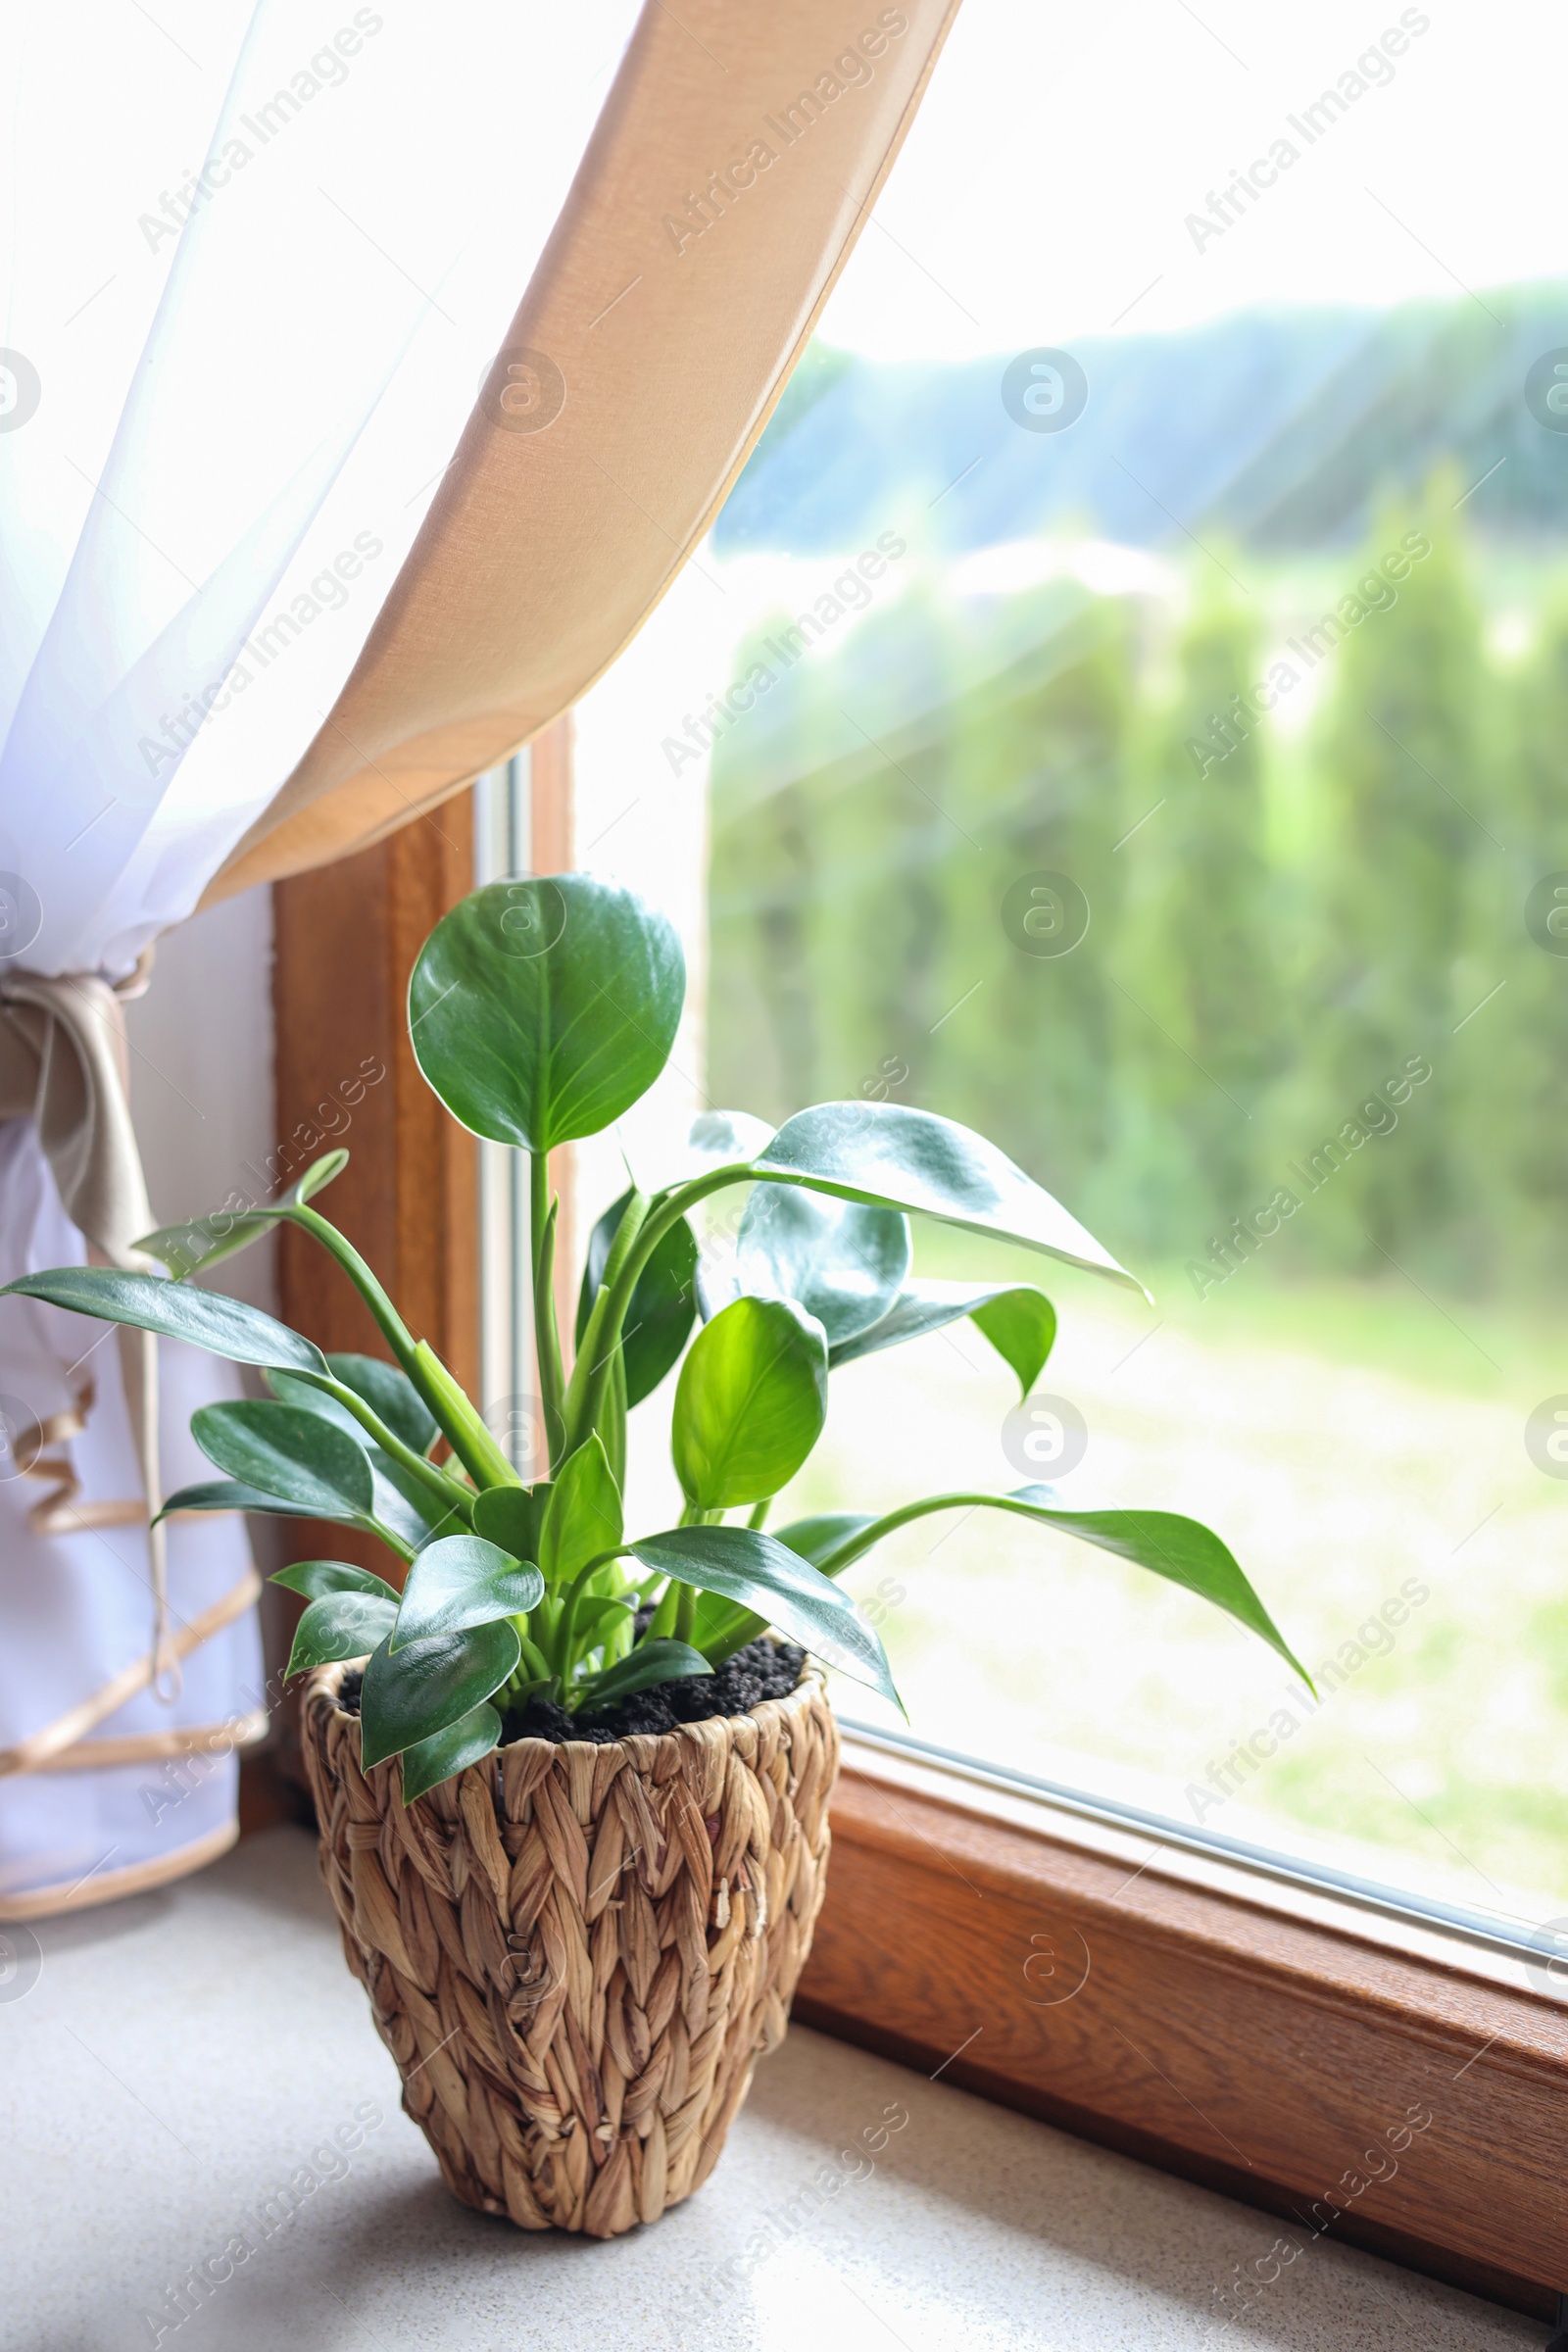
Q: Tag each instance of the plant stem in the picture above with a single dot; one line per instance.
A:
(759, 1511)
(685, 1612)
(456, 1418)
(533, 1658)
(444, 1489)
(547, 1338)
(663, 1210)
(396, 1332)
(601, 1349)
(566, 1630)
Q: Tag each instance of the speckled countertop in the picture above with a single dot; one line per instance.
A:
(180, 2060)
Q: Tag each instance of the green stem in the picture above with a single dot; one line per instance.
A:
(547, 1338)
(459, 1424)
(533, 1658)
(444, 1489)
(383, 1534)
(686, 1613)
(664, 1210)
(467, 1436)
(759, 1511)
(598, 1356)
(395, 1331)
(567, 1631)
(852, 1546)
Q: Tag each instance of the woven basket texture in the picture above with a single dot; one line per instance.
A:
(577, 1953)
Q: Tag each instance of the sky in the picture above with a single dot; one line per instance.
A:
(1043, 189)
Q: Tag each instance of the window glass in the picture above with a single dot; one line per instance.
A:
(1133, 705)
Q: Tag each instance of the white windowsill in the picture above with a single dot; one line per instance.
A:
(184, 2054)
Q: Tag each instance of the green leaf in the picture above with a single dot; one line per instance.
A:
(232, 1495)
(898, 1157)
(340, 1625)
(404, 1504)
(1181, 1550)
(814, 1539)
(598, 1618)
(430, 1686)
(746, 1565)
(511, 1518)
(463, 1581)
(650, 1662)
(202, 1242)
(149, 1303)
(317, 1577)
(1024, 1318)
(664, 1303)
(288, 1452)
(843, 1261)
(541, 1010)
(1018, 1320)
(400, 1502)
(1021, 1326)
(583, 1514)
(466, 1741)
(661, 1154)
(391, 1394)
(392, 1519)
(750, 1403)
(722, 1628)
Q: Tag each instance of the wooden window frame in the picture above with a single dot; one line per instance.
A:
(1252, 2036)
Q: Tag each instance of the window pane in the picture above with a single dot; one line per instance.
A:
(1144, 626)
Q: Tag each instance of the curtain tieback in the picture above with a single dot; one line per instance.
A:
(63, 1063)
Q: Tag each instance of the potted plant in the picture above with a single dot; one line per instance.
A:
(572, 1782)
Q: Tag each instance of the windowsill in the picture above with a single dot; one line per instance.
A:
(182, 2054)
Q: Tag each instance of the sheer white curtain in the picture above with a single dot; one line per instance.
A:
(259, 262)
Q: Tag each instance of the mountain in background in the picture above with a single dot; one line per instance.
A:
(1284, 430)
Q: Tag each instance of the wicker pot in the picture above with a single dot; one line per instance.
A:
(575, 1953)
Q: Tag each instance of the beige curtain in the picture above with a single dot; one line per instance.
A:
(731, 170)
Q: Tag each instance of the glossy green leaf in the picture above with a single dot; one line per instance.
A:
(430, 1686)
(598, 1617)
(1183, 1551)
(463, 1581)
(392, 1518)
(466, 1741)
(746, 1565)
(1018, 1320)
(202, 1242)
(664, 1303)
(750, 1403)
(289, 1452)
(151, 1302)
(583, 1514)
(232, 1495)
(1021, 1326)
(340, 1625)
(815, 1539)
(540, 1010)
(722, 1627)
(663, 1151)
(650, 1662)
(400, 1502)
(317, 1577)
(899, 1158)
(843, 1261)
(512, 1517)
(391, 1394)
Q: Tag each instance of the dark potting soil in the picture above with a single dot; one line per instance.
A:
(763, 1669)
